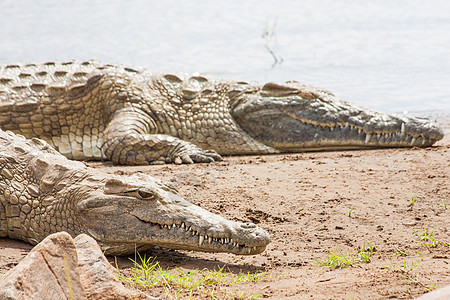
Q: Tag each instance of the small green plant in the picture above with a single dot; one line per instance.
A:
(444, 203)
(411, 204)
(365, 253)
(339, 260)
(433, 286)
(428, 238)
(350, 213)
(407, 271)
(336, 260)
(401, 252)
(405, 252)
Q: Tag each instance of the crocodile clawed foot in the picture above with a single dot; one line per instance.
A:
(198, 157)
(214, 155)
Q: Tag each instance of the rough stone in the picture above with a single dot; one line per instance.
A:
(49, 271)
(96, 274)
(64, 268)
(439, 294)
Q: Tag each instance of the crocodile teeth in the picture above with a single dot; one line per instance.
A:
(403, 128)
(368, 136)
(182, 225)
(173, 225)
(201, 238)
(413, 141)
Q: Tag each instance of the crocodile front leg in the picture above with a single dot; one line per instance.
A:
(131, 139)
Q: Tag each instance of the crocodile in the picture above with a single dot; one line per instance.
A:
(131, 116)
(43, 192)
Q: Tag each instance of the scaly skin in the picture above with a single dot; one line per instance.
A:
(42, 192)
(133, 117)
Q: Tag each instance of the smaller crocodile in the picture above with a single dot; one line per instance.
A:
(90, 110)
(42, 192)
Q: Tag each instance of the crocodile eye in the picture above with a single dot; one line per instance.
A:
(145, 195)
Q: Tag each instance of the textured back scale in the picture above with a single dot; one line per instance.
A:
(54, 101)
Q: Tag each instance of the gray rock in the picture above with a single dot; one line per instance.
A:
(439, 294)
(64, 268)
(96, 273)
(49, 271)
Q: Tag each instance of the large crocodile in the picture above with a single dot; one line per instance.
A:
(42, 192)
(90, 110)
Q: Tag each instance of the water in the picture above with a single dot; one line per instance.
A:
(387, 55)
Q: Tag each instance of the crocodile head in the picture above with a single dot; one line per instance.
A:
(140, 212)
(295, 117)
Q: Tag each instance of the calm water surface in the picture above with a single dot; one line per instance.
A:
(387, 55)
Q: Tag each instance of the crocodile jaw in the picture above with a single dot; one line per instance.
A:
(292, 124)
(170, 222)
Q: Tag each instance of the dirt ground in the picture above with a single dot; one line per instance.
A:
(313, 203)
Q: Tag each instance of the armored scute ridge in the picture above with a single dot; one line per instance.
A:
(94, 111)
(42, 192)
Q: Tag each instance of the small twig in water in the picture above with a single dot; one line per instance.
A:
(269, 35)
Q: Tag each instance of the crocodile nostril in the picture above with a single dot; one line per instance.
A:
(248, 225)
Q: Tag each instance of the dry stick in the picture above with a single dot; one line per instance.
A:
(267, 35)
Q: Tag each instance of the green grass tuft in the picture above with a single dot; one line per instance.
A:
(339, 260)
(179, 283)
(410, 274)
(427, 238)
